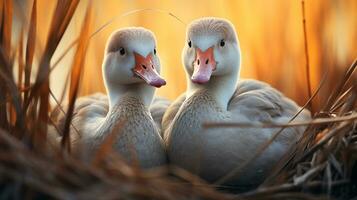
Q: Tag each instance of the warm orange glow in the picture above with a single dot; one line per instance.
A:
(270, 33)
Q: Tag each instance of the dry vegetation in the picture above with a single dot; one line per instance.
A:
(322, 164)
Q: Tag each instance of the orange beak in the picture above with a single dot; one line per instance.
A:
(203, 66)
(146, 70)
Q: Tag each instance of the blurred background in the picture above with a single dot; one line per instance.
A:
(270, 34)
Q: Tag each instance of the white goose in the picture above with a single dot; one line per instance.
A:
(211, 59)
(131, 68)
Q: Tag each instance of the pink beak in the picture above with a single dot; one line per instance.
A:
(203, 66)
(145, 69)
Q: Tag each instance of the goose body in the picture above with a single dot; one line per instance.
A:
(137, 135)
(131, 71)
(214, 94)
(94, 106)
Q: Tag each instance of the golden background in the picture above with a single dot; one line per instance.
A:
(270, 34)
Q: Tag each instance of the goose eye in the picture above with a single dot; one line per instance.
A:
(222, 43)
(190, 43)
(154, 51)
(122, 51)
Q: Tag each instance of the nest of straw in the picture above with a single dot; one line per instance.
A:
(322, 164)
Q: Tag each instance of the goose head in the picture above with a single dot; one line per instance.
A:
(131, 62)
(211, 50)
(131, 57)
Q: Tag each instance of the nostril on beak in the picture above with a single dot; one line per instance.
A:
(198, 61)
(152, 66)
(207, 61)
(143, 66)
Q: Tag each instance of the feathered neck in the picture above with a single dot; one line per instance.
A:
(221, 88)
(141, 91)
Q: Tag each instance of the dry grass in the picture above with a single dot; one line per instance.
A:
(322, 164)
